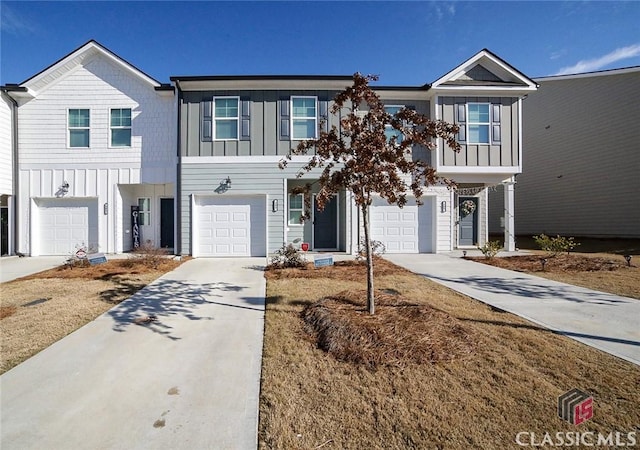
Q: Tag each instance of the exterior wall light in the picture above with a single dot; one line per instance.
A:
(443, 206)
(274, 205)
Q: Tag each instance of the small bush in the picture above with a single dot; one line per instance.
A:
(288, 256)
(490, 249)
(555, 245)
(146, 255)
(377, 249)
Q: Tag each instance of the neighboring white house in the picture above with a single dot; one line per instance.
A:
(96, 137)
(580, 175)
(7, 238)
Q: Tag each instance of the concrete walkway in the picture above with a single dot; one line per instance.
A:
(605, 321)
(12, 267)
(188, 380)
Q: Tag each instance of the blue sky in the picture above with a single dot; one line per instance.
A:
(406, 43)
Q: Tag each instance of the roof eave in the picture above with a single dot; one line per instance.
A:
(87, 47)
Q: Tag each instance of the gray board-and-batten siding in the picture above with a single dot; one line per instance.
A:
(504, 148)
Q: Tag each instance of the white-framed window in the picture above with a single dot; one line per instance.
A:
(296, 208)
(120, 127)
(144, 211)
(304, 117)
(389, 131)
(478, 123)
(78, 125)
(225, 118)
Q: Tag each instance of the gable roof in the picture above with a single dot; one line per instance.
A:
(485, 71)
(78, 57)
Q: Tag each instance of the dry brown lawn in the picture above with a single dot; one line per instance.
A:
(599, 271)
(507, 381)
(40, 309)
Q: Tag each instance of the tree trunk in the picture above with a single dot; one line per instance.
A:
(371, 307)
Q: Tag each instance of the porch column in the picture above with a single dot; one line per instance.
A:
(509, 213)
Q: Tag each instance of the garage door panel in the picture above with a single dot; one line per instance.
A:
(65, 224)
(222, 232)
(231, 226)
(402, 230)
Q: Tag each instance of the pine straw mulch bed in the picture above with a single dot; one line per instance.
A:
(558, 263)
(399, 333)
(500, 376)
(341, 270)
(602, 272)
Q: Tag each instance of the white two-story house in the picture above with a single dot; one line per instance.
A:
(235, 201)
(96, 146)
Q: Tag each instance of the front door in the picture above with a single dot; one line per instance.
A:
(166, 222)
(325, 225)
(4, 232)
(468, 221)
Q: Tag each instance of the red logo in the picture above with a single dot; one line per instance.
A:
(575, 406)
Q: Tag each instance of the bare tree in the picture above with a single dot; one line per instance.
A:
(371, 153)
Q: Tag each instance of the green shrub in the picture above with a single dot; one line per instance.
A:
(490, 249)
(555, 245)
(288, 256)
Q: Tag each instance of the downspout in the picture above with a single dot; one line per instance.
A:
(14, 168)
(178, 196)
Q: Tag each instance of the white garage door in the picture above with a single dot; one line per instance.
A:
(403, 230)
(65, 224)
(230, 226)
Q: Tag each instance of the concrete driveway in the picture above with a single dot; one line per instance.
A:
(604, 321)
(12, 267)
(188, 380)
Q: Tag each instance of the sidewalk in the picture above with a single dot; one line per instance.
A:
(605, 321)
(188, 380)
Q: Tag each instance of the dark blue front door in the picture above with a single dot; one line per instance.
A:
(467, 221)
(166, 222)
(325, 226)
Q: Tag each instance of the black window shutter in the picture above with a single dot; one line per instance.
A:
(495, 122)
(323, 114)
(285, 117)
(245, 124)
(461, 120)
(206, 125)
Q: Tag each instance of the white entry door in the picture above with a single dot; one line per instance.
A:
(230, 226)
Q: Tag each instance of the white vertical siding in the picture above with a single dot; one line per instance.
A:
(6, 143)
(46, 162)
(444, 233)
